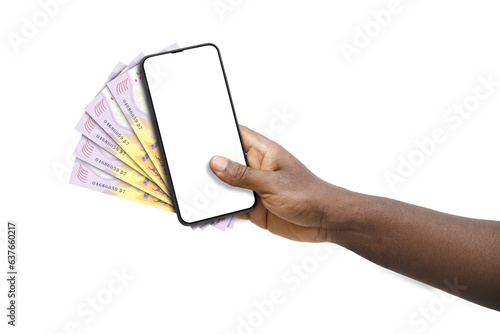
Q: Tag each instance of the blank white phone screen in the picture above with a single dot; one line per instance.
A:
(196, 121)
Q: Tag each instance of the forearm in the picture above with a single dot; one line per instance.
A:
(432, 247)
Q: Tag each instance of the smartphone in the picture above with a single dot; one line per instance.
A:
(194, 117)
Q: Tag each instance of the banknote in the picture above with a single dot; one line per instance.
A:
(146, 166)
(129, 93)
(232, 222)
(132, 64)
(87, 176)
(119, 68)
(202, 227)
(105, 111)
(114, 159)
(92, 154)
(90, 129)
(221, 224)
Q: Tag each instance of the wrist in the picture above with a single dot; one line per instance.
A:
(342, 209)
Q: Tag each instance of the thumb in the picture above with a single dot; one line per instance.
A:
(238, 175)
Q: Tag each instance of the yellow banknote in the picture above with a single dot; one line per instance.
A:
(128, 91)
(87, 176)
(105, 111)
(88, 151)
(90, 129)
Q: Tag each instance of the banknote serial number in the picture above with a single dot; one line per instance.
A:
(110, 144)
(132, 114)
(116, 132)
(109, 166)
(108, 187)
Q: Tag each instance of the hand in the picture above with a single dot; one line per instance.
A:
(292, 201)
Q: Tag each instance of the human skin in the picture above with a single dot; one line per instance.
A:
(456, 254)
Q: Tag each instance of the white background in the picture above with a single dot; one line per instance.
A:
(351, 122)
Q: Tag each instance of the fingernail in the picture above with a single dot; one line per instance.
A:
(219, 163)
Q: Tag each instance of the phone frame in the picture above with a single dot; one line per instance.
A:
(158, 133)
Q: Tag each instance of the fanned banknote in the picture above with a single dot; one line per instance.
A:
(105, 111)
(90, 129)
(129, 93)
(119, 68)
(103, 161)
(92, 154)
(87, 176)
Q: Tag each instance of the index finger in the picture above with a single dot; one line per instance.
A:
(252, 139)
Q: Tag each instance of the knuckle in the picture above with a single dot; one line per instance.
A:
(238, 173)
(241, 173)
